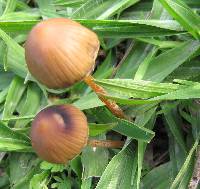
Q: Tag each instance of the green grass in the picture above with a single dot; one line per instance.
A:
(150, 67)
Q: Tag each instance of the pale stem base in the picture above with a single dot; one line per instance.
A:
(105, 143)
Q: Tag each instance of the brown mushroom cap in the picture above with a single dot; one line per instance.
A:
(59, 133)
(60, 52)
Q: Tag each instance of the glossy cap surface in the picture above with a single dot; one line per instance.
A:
(60, 52)
(59, 133)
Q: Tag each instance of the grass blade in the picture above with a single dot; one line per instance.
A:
(184, 15)
(168, 61)
(185, 165)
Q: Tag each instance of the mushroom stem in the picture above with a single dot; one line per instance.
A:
(111, 105)
(105, 143)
